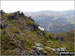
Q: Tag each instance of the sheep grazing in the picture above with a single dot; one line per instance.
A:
(42, 29)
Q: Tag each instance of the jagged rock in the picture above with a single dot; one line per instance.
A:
(30, 18)
(31, 27)
(2, 12)
(39, 48)
(12, 17)
(3, 25)
(37, 51)
(21, 14)
(62, 39)
(17, 13)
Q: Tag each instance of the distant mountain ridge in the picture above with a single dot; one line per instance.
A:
(54, 21)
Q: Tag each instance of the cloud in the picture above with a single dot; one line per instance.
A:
(29, 6)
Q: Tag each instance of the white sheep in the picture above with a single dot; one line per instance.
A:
(42, 29)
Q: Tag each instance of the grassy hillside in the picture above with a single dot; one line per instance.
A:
(20, 35)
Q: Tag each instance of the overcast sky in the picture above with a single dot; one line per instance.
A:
(30, 6)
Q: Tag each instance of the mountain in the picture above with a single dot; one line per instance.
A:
(20, 35)
(54, 21)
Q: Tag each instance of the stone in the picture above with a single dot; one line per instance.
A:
(62, 39)
(61, 49)
(30, 18)
(39, 48)
(50, 42)
(57, 38)
(45, 52)
(47, 47)
(2, 26)
(2, 12)
(21, 14)
(52, 49)
(17, 13)
(12, 17)
(37, 51)
(31, 27)
(58, 49)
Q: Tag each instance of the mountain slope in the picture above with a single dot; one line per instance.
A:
(20, 35)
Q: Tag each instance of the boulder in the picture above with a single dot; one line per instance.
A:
(38, 44)
(50, 42)
(21, 14)
(3, 25)
(31, 27)
(37, 51)
(30, 18)
(45, 52)
(47, 47)
(57, 38)
(39, 48)
(61, 49)
(12, 17)
(62, 39)
(2, 12)
(52, 49)
(17, 13)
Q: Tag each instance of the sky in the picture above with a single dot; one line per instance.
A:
(30, 6)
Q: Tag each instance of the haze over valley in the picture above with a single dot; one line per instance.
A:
(54, 21)
(37, 28)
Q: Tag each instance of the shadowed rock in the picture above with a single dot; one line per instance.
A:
(31, 26)
(21, 14)
(2, 26)
(57, 38)
(17, 13)
(12, 17)
(2, 12)
(30, 18)
(62, 39)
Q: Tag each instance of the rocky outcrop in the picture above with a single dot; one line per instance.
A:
(31, 27)
(61, 39)
(3, 24)
(12, 17)
(2, 12)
